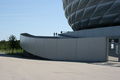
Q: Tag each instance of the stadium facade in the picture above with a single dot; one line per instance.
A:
(88, 14)
(96, 35)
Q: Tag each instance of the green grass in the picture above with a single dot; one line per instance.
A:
(15, 51)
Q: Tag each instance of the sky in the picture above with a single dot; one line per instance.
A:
(37, 17)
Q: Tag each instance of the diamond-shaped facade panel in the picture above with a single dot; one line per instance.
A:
(87, 14)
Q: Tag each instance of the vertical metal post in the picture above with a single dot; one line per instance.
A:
(119, 50)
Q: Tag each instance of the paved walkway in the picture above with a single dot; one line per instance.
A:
(113, 62)
(26, 69)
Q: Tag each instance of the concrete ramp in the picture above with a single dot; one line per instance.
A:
(68, 49)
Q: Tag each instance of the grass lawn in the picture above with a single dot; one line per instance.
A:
(15, 51)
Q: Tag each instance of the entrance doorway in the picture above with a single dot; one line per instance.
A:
(113, 49)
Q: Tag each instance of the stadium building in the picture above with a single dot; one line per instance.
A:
(96, 35)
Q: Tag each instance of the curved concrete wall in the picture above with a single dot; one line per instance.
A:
(74, 49)
(85, 14)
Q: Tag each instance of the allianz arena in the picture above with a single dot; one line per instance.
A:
(96, 35)
(87, 14)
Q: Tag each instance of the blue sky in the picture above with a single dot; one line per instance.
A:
(37, 17)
